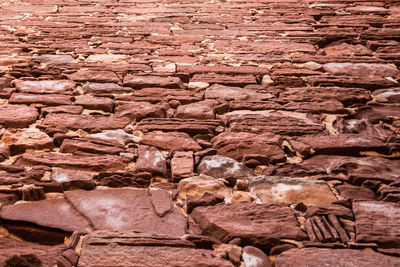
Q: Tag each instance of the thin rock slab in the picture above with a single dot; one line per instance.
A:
(377, 222)
(198, 185)
(258, 225)
(76, 162)
(127, 209)
(135, 249)
(171, 141)
(73, 179)
(86, 123)
(51, 213)
(276, 189)
(16, 116)
(316, 257)
(45, 87)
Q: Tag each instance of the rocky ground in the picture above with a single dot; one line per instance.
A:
(200, 133)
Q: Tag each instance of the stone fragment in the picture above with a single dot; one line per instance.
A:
(271, 121)
(118, 179)
(242, 146)
(313, 257)
(91, 163)
(254, 257)
(182, 165)
(361, 69)
(135, 249)
(171, 141)
(20, 140)
(222, 167)
(48, 99)
(151, 160)
(391, 95)
(126, 209)
(199, 185)
(16, 116)
(345, 49)
(105, 88)
(91, 145)
(32, 252)
(156, 95)
(227, 93)
(55, 59)
(138, 82)
(188, 126)
(337, 210)
(136, 111)
(94, 76)
(274, 189)
(256, 224)
(117, 135)
(52, 213)
(377, 222)
(208, 199)
(198, 110)
(73, 179)
(355, 192)
(84, 122)
(97, 103)
(45, 87)
(71, 109)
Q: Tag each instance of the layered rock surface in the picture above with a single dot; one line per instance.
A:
(199, 133)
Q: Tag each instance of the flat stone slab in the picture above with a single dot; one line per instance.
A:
(256, 224)
(46, 87)
(223, 167)
(275, 189)
(316, 257)
(377, 222)
(84, 122)
(128, 209)
(16, 116)
(54, 213)
(134, 249)
(77, 162)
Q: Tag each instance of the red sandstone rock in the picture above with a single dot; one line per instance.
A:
(98, 103)
(254, 257)
(20, 140)
(182, 165)
(45, 87)
(16, 116)
(151, 160)
(48, 100)
(140, 110)
(171, 141)
(105, 88)
(223, 167)
(138, 82)
(91, 145)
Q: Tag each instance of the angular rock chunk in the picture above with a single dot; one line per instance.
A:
(222, 167)
(378, 222)
(15, 116)
(156, 95)
(151, 160)
(140, 110)
(355, 192)
(189, 126)
(138, 82)
(242, 146)
(270, 121)
(19, 140)
(315, 257)
(85, 122)
(97, 103)
(46, 87)
(93, 163)
(275, 189)
(73, 179)
(197, 186)
(337, 210)
(54, 213)
(182, 165)
(105, 88)
(126, 209)
(199, 110)
(48, 100)
(391, 95)
(71, 109)
(256, 224)
(139, 250)
(171, 141)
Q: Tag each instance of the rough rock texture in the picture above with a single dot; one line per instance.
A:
(161, 116)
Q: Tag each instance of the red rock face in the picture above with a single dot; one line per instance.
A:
(199, 133)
